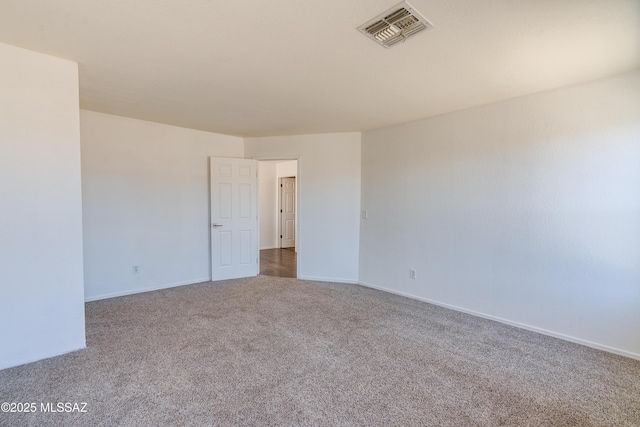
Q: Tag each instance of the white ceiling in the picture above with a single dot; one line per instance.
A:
(278, 67)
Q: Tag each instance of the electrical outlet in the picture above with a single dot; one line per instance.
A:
(365, 214)
(412, 273)
(135, 269)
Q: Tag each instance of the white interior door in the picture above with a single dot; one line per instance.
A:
(287, 212)
(234, 218)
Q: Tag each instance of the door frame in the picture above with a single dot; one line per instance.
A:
(299, 233)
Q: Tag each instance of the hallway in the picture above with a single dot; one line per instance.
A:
(278, 262)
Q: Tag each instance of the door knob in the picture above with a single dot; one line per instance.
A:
(216, 225)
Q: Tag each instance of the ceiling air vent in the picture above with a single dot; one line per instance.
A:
(395, 25)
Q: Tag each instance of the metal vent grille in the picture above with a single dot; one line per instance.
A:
(395, 25)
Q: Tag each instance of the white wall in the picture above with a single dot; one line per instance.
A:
(328, 200)
(287, 169)
(146, 203)
(268, 195)
(526, 210)
(41, 292)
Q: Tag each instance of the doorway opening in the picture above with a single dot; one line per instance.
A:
(278, 217)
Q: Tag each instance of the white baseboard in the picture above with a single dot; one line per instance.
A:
(268, 247)
(327, 279)
(139, 291)
(511, 323)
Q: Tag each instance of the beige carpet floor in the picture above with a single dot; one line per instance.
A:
(276, 351)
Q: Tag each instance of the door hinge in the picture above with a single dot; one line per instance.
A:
(281, 236)
(280, 210)
(280, 185)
